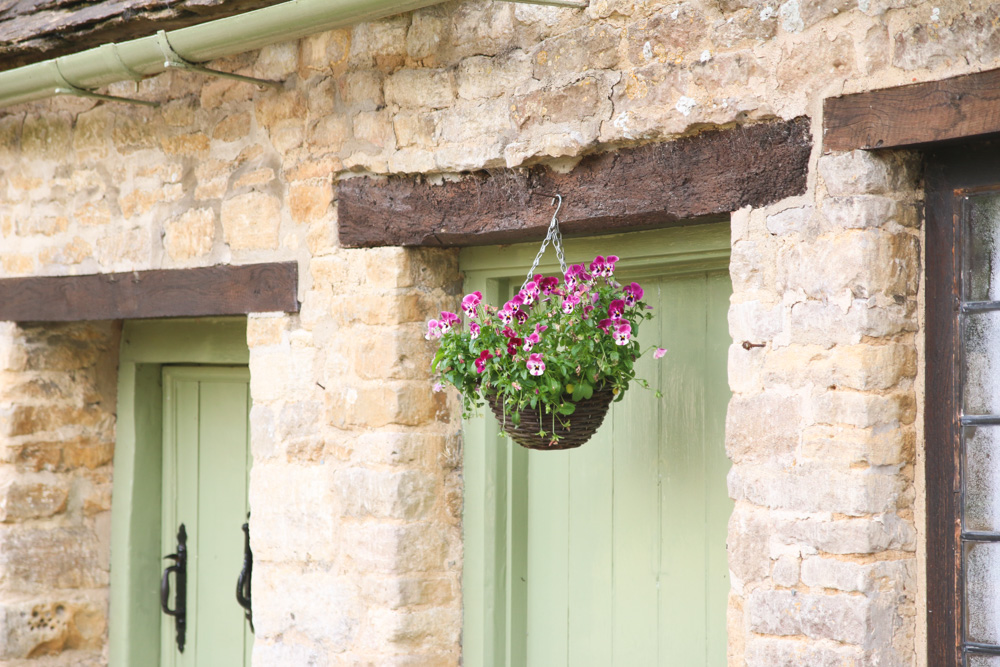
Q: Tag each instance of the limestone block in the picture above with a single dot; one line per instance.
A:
(786, 571)
(361, 90)
(212, 179)
(841, 618)
(484, 123)
(763, 427)
(861, 172)
(285, 651)
(421, 88)
(310, 200)
(330, 132)
(266, 328)
(867, 211)
(302, 526)
(747, 545)
(324, 53)
(413, 591)
(574, 104)
(276, 107)
(400, 449)
(375, 128)
(862, 367)
(827, 323)
(398, 353)
(31, 495)
(845, 446)
(665, 37)
(250, 221)
(10, 135)
(381, 43)
(399, 495)
(373, 404)
(45, 626)
(277, 62)
(480, 77)
(413, 129)
(866, 535)
(855, 577)
(48, 558)
(46, 136)
(861, 410)
(717, 72)
(423, 629)
(233, 127)
(481, 29)
(861, 262)
(428, 30)
(817, 488)
(92, 134)
(322, 605)
(945, 41)
(798, 221)
(754, 321)
(41, 225)
(190, 235)
(794, 652)
(393, 548)
(590, 47)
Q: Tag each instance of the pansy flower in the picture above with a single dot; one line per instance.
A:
(481, 361)
(447, 321)
(547, 284)
(508, 333)
(513, 344)
(535, 364)
(632, 294)
(597, 266)
(506, 316)
(577, 274)
(609, 265)
(606, 325)
(470, 301)
(622, 334)
(539, 328)
(521, 316)
(433, 330)
(531, 341)
(474, 330)
(569, 303)
(659, 352)
(530, 292)
(616, 308)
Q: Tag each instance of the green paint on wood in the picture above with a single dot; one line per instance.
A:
(616, 551)
(205, 488)
(136, 553)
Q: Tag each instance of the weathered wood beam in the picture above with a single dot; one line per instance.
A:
(216, 290)
(655, 185)
(36, 30)
(962, 106)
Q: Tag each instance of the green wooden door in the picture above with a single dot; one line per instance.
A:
(616, 551)
(206, 462)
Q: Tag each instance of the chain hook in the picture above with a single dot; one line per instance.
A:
(555, 237)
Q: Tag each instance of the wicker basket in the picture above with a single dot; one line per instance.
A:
(581, 425)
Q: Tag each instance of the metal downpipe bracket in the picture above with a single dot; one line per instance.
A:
(172, 59)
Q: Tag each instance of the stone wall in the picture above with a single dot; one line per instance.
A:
(356, 474)
(821, 427)
(57, 408)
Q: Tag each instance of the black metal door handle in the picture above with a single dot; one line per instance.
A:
(179, 569)
(244, 595)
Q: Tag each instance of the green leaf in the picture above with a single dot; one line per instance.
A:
(587, 390)
(566, 409)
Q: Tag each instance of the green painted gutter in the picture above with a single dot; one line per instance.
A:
(82, 72)
(216, 39)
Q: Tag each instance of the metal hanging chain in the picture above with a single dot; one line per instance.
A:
(555, 237)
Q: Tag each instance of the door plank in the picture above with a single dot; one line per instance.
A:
(636, 509)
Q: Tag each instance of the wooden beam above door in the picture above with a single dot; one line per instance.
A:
(921, 113)
(656, 185)
(214, 290)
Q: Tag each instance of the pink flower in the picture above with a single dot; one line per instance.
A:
(521, 316)
(577, 274)
(609, 265)
(433, 330)
(659, 352)
(616, 308)
(548, 284)
(474, 330)
(622, 334)
(438, 387)
(597, 266)
(448, 320)
(632, 294)
(569, 303)
(530, 292)
(535, 364)
(506, 316)
(531, 341)
(470, 302)
(539, 328)
(481, 361)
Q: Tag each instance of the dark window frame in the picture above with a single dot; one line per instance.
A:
(951, 173)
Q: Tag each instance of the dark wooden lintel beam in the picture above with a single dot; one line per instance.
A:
(921, 113)
(711, 174)
(215, 290)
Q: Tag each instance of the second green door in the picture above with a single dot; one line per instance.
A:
(206, 462)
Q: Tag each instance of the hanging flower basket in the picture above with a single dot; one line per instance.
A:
(534, 431)
(551, 359)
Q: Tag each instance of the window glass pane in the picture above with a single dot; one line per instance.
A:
(982, 478)
(982, 592)
(984, 661)
(983, 263)
(982, 363)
